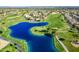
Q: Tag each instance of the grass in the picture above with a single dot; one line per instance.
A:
(8, 48)
(54, 20)
(58, 45)
(37, 32)
(57, 21)
(6, 31)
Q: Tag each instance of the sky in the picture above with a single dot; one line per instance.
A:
(39, 3)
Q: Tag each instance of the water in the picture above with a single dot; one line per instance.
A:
(35, 43)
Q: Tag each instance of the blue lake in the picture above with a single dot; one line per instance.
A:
(35, 43)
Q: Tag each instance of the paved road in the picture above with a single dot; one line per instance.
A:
(62, 44)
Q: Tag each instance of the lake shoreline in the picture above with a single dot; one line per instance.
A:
(32, 39)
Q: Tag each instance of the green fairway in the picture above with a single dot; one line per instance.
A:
(8, 21)
(57, 25)
(58, 21)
